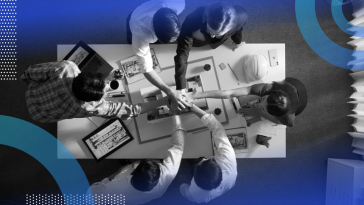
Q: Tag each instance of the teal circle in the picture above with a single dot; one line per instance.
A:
(42, 146)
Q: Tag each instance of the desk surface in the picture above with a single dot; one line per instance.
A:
(70, 132)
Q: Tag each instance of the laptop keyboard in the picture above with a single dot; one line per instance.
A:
(93, 65)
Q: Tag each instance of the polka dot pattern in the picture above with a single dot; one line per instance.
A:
(8, 39)
(76, 199)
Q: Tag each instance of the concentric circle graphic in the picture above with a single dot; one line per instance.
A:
(42, 146)
(344, 25)
(317, 39)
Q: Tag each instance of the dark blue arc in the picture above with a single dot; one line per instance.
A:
(342, 22)
(317, 39)
(42, 146)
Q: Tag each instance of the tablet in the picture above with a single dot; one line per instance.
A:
(108, 138)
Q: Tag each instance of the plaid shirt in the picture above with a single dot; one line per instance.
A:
(50, 97)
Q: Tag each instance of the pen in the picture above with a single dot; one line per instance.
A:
(233, 72)
(117, 95)
(112, 93)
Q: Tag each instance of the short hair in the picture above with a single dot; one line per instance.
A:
(208, 175)
(291, 92)
(166, 25)
(221, 16)
(278, 103)
(146, 175)
(88, 86)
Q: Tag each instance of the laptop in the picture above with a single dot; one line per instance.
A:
(88, 60)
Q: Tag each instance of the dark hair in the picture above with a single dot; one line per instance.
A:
(291, 92)
(88, 86)
(146, 175)
(221, 16)
(278, 103)
(208, 175)
(166, 25)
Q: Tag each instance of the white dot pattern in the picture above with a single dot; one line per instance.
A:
(76, 199)
(8, 39)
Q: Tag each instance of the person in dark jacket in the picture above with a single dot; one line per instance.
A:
(212, 25)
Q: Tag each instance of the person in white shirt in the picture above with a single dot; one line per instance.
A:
(216, 175)
(155, 20)
(146, 180)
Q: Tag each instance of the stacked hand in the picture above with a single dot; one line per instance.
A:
(173, 108)
(189, 97)
(178, 100)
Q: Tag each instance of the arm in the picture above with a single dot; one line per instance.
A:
(270, 117)
(44, 71)
(146, 107)
(175, 95)
(261, 89)
(154, 78)
(109, 109)
(200, 113)
(185, 41)
(142, 50)
(174, 154)
(210, 121)
(224, 152)
(184, 189)
(223, 94)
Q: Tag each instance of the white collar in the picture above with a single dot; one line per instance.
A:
(197, 191)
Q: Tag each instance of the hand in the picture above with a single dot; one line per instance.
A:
(173, 108)
(189, 97)
(250, 110)
(177, 99)
(235, 46)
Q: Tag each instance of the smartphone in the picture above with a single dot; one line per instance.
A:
(273, 57)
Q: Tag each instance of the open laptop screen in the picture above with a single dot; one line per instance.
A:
(88, 60)
(80, 54)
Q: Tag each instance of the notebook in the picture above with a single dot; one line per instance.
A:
(108, 138)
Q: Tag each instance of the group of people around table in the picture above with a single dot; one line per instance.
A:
(59, 90)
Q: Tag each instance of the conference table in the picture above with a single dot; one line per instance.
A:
(197, 143)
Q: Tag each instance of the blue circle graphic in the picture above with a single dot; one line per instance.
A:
(42, 146)
(317, 39)
(343, 24)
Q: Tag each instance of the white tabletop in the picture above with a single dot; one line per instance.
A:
(70, 132)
